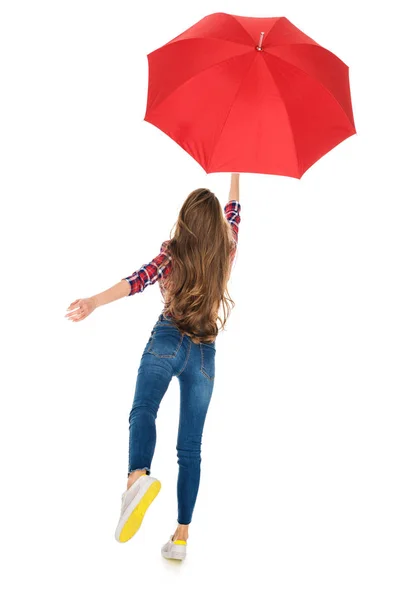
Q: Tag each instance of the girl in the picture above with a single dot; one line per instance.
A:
(193, 270)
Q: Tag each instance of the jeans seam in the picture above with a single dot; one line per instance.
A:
(186, 361)
(166, 355)
(202, 365)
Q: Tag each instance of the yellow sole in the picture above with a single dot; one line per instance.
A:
(135, 519)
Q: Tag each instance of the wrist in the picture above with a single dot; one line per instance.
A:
(95, 300)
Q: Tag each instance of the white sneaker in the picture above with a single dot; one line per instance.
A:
(175, 550)
(134, 503)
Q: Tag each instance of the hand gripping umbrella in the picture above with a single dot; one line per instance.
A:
(252, 95)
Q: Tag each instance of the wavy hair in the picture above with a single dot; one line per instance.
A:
(201, 250)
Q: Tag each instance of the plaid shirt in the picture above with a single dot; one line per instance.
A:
(159, 268)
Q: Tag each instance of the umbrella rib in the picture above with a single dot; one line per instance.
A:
(274, 25)
(312, 77)
(198, 73)
(230, 110)
(234, 17)
(313, 45)
(198, 37)
(288, 117)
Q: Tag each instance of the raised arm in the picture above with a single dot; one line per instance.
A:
(234, 189)
(232, 207)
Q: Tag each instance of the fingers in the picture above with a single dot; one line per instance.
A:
(73, 304)
(77, 311)
(76, 316)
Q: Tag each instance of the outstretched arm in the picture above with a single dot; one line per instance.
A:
(83, 307)
(117, 291)
(148, 274)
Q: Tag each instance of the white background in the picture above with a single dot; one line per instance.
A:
(300, 476)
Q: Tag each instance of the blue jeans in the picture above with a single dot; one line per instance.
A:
(169, 353)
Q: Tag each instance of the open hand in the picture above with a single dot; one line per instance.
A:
(80, 309)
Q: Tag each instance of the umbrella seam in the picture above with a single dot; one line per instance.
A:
(273, 26)
(288, 118)
(197, 37)
(312, 42)
(314, 78)
(229, 112)
(313, 45)
(234, 17)
(195, 75)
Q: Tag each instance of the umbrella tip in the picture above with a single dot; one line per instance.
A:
(259, 47)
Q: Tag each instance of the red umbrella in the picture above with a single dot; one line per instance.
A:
(250, 95)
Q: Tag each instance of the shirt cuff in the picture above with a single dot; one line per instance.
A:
(127, 279)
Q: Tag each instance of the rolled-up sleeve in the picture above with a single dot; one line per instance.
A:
(232, 213)
(150, 272)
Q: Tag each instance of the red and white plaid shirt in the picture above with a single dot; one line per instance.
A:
(151, 272)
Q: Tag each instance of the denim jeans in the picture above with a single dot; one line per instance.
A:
(170, 353)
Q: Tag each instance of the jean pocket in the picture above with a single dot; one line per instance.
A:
(148, 343)
(164, 341)
(207, 355)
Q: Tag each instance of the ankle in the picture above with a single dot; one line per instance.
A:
(134, 476)
(181, 533)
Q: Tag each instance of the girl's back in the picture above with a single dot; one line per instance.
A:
(194, 266)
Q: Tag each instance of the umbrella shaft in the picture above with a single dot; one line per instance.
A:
(259, 47)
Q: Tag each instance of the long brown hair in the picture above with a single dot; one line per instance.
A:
(197, 285)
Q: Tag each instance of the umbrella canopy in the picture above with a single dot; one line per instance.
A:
(253, 95)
